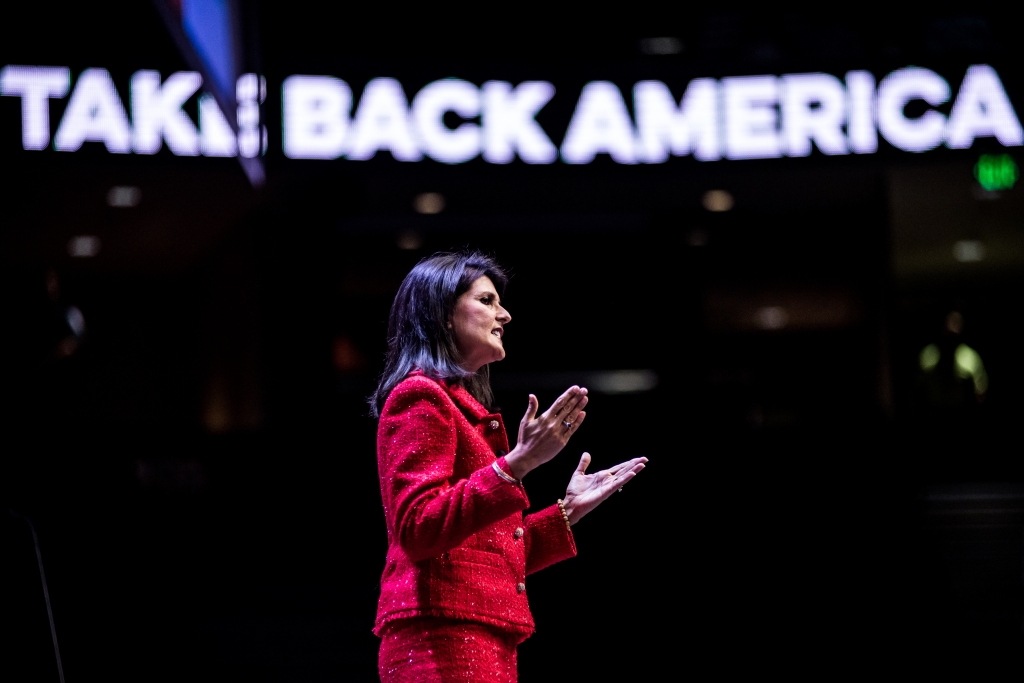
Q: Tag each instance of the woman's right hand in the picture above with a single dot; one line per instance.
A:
(542, 436)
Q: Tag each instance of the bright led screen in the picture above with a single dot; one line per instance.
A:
(324, 117)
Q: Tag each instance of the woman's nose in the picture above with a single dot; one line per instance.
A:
(504, 316)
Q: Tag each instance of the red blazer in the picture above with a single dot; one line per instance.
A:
(459, 544)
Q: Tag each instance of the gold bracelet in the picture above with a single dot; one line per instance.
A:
(501, 473)
(565, 515)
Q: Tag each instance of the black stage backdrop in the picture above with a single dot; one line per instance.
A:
(200, 465)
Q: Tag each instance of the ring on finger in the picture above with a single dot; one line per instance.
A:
(568, 425)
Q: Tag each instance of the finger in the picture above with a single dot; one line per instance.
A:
(619, 474)
(629, 464)
(559, 405)
(584, 463)
(565, 401)
(632, 464)
(625, 477)
(575, 424)
(616, 470)
(531, 408)
(576, 409)
(575, 402)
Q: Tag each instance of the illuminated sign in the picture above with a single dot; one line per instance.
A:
(746, 117)
(95, 112)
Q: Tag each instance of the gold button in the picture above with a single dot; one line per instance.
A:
(494, 424)
(519, 532)
(520, 587)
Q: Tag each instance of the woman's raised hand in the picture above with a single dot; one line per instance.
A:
(542, 436)
(587, 491)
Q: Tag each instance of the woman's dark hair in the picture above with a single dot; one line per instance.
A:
(418, 334)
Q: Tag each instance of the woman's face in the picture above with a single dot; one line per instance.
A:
(478, 323)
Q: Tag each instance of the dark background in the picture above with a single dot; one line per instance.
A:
(201, 468)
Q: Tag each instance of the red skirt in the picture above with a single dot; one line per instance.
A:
(431, 649)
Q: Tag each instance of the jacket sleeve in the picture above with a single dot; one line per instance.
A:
(548, 540)
(425, 509)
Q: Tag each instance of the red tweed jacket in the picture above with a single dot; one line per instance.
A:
(459, 544)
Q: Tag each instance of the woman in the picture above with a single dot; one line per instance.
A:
(453, 601)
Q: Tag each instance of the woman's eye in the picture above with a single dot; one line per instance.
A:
(486, 300)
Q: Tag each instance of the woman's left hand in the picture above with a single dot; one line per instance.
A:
(587, 491)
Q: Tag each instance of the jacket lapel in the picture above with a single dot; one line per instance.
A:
(488, 425)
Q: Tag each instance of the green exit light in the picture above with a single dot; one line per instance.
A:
(996, 172)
